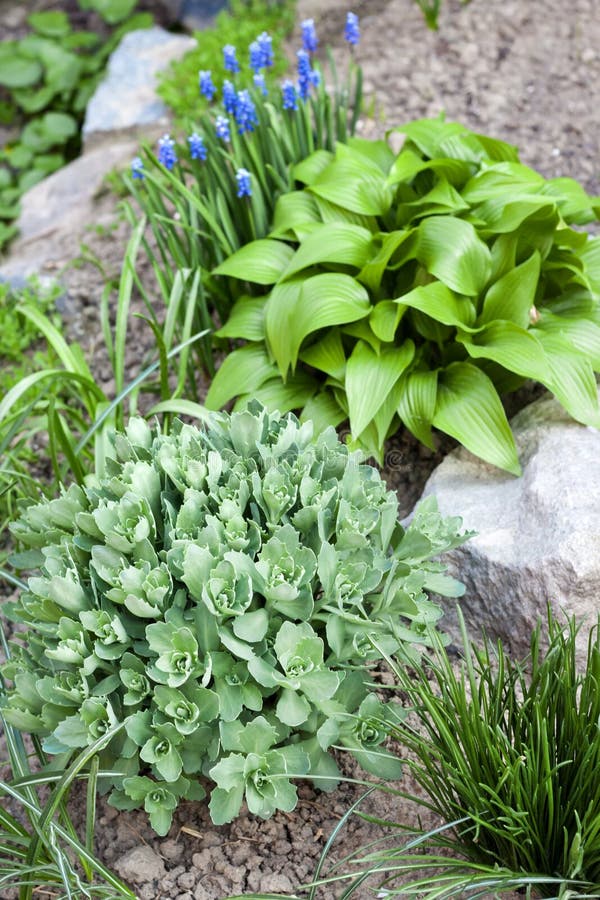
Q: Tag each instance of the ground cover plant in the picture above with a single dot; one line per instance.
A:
(216, 191)
(416, 289)
(218, 591)
(46, 81)
(508, 752)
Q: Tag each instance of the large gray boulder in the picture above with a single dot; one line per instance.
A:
(538, 536)
(126, 100)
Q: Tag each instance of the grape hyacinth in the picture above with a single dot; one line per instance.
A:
(265, 41)
(288, 91)
(229, 98)
(197, 146)
(309, 36)
(304, 74)
(137, 168)
(259, 83)
(230, 59)
(256, 56)
(166, 151)
(222, 128)
(244, 182)
(207, 88)
(352, 30)
(245, 112)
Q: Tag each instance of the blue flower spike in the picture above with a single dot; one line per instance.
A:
(310, 41)
(259, 83)
(137, 168)
(222, 128)
(304, 73)
(229, 98)
(230, 59)
(265, 41)
(245, 112)
(256, 56)
(352, 30)
(290, 98)
(197, 146)
(166, 151)
(244, 183)
(207, 88)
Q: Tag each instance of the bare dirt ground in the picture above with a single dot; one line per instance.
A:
(527, 71)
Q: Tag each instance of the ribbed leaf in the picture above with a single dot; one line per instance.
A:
(582, 333)
(440, 303)
(243, 370)
(496, 180)
(469, 409)
(408, 164)
(451, 250)
(292, 211)
(261, 262)
(283, 396)
(373, 271)
(340, 243)
(510, 346)
(311, 167)
(355, 183)
(297, 309)
(417, 402)
(246, 320)
(573, 383)
(370, 378)
(501, 216)
(591, 262)
(385, 318)
(327, 355)
(323, 411)
(513, 295)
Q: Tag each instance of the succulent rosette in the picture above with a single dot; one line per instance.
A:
(223, 592)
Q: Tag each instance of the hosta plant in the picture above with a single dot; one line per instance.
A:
(218, 591)
(417, 288)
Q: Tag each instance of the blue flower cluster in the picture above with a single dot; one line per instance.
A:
(137, 168)
(245, 112)
(307, 76)
(197, 146)
(290, 98)
(352, 30)
(207, 88)
(309, 36)
(244, 182)
(222, 128)
(166, 151)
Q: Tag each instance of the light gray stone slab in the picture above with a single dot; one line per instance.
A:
(126, 100)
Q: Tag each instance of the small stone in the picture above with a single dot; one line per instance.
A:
(186, 881)
(140, 865)
(276, 884)
(171, 850)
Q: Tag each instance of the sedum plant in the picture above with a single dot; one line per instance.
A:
(218, 591)
(415, 289)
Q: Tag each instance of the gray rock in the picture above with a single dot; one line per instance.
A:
(538, 536)
(140, 865)
(126, 99)
(59, 208)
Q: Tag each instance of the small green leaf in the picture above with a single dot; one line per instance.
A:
(243, 370)
(340, 243)
(440, 303)
(327, 355)
(246, 320)
(513, 295)
(51, 23)
(18, 72)
(261, 262)
(416, 406)
(469, 408)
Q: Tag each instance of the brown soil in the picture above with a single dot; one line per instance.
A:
(523, 70)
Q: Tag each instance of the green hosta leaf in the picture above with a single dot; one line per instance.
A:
(513, 295)
(397, 247)
(310, 168)
(469, 409)
(582, 333)
(18, 72)
(323, 410)
(451, 250)
(385, 318)
(442, 199)
(510, 346)
(246, 320)
(341, 243)
(261, 262)
(378, 152)
(440, 303)
(573, 382)
(505, 213)
(293, 212)
(355, 183)
(296, 309)
(408, 164)
(590, 256)
(574, 203)
(417, 403)
(497, 180)
(294, 393)
(327, 355)
(245, 369)
(370, 378)
(428, 134)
